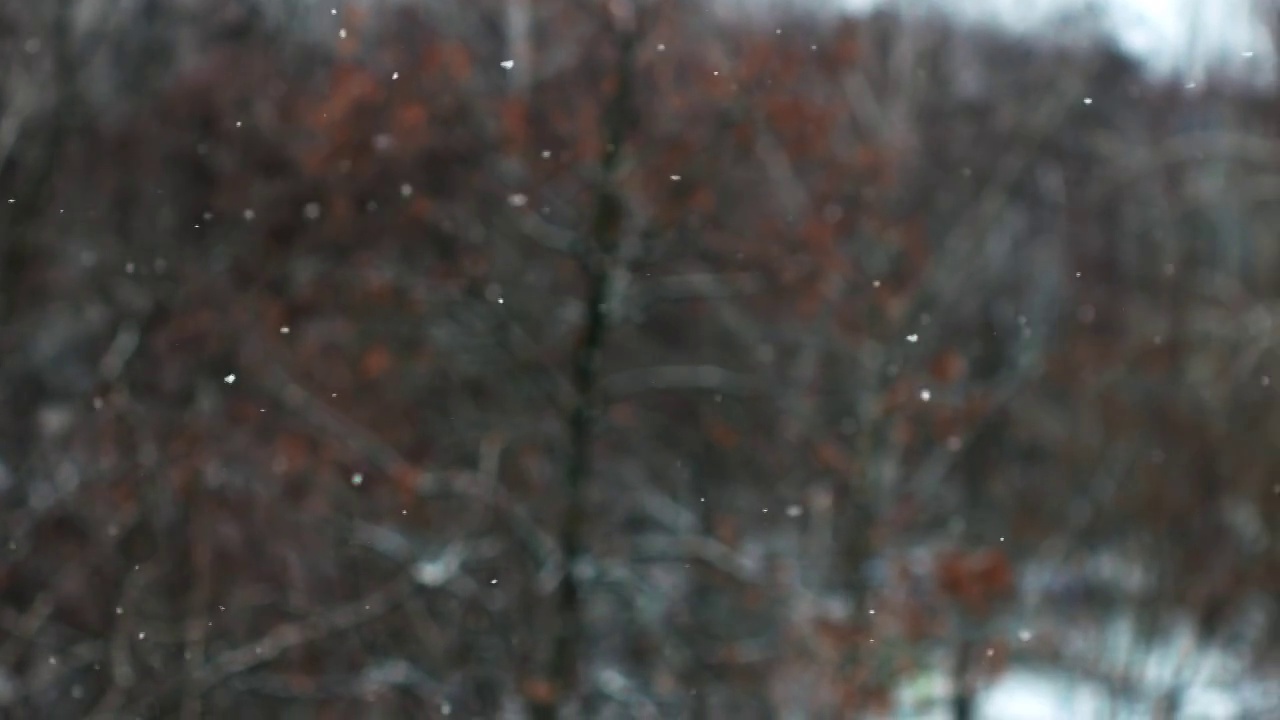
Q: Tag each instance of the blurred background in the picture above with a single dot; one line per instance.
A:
(692, 359)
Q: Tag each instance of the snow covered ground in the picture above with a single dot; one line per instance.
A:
(1215, 683)
(1025, 694)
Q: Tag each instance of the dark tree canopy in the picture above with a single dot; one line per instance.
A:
(638, 358)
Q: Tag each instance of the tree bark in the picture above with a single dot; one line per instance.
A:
(597, 260)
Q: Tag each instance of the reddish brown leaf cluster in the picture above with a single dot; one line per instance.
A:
(980, 580)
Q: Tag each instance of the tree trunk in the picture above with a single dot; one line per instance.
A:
(962, 693)
(597, 259)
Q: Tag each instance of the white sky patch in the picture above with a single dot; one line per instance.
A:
(1172, 38)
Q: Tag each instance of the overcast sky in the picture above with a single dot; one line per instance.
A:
(1177, 37)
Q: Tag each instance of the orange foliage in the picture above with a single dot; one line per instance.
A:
(832, 456)
(979, 579)
(353, 23)
(375, 362)
(948, 366)
(293, 453)
(450, 57)
(721, 434)
(539, 690)
(409, 118)
(514, 116)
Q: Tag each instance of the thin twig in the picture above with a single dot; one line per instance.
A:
(197, 620)
(24, 628)
(693, 286)
(290, 635)
(709, 378)
(675, 548)
(123, 675)
(389, 461)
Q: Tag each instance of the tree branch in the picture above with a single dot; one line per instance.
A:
(290, 635)
(709, 378)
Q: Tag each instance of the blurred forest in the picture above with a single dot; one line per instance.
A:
(625, 359)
